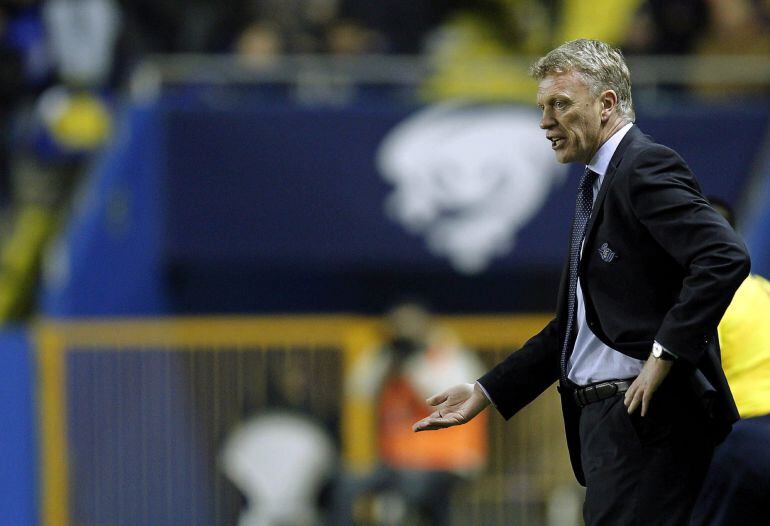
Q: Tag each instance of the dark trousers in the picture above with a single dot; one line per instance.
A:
(737, 487)
(643, 470)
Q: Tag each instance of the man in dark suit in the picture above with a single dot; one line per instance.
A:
(652, 268)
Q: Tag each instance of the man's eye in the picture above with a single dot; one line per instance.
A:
(559, 104)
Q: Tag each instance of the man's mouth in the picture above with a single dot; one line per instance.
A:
(555, 142)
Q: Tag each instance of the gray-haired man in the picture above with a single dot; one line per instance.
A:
(652, 268)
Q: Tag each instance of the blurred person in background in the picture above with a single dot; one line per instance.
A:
(171, 26)
(402, 26)
(55, 54)
(66, 50)
(301, 23)
(416, 473)
(702, 28)
(272, 29)
(471, 49)
(26, 70)
(10, 91)
(736, 28)
(73, 117)
(651, 269)
(281, 456)
(82, 37)
(738, 482)
(279, 461)
(350, 37)
(667, 27)
(259, 44)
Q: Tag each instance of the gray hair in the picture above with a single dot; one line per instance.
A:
(602, 66)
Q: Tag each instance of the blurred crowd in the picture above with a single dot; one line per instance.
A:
(421, 26)
(409, 27)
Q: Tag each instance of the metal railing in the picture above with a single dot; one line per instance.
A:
(648, 72)
(134, 413)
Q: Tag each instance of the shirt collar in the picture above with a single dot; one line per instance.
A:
(602, 158)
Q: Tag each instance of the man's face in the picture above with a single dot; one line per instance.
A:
(571, 117)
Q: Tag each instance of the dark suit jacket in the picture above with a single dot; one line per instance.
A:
(658, 264)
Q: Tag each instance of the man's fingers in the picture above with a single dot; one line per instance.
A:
(437, 399)
(437, 421)
(639, 397)
(635, 401)
(629, 395)
(646, 402)
(422, 425)
(432, 423)
(425, 423)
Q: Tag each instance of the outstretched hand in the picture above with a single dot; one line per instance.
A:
(455, 406)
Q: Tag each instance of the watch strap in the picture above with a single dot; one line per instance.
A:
(661, 353)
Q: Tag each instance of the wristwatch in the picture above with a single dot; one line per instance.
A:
(659, 353)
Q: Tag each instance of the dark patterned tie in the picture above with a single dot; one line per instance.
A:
(585, 200)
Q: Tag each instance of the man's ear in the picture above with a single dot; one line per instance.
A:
(609, 100)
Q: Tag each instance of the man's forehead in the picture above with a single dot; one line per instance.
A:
(560, 82)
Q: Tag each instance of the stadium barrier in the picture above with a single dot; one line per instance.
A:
(133, 414)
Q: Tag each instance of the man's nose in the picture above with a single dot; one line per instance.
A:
(546, 121)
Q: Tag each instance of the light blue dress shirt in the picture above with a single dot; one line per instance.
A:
(591, 360)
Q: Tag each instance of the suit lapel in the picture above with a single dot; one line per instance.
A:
(607, 181)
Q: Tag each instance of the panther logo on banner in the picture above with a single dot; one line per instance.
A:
(468, 178)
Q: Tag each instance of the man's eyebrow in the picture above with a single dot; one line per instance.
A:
(552, 97)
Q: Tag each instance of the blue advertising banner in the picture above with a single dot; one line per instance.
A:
(467, 195)
(462, 186)
(250, 205)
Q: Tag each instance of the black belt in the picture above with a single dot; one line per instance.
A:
(600, 391)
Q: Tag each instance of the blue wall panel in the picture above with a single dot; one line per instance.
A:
(108, 259)
(18, 462)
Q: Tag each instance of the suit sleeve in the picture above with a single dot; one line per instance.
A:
(526, 373)
(667, 200)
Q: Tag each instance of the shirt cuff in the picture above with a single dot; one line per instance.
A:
(483, 390)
